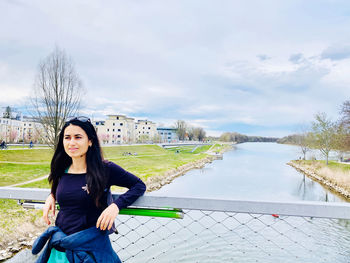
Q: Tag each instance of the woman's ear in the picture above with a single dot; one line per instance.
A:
(90, 143)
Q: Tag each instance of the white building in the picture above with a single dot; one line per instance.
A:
(145, 130)
(120, 129)
(10, 130)
(167, 134)
(32, 131)
(116, 129)
(16, 131)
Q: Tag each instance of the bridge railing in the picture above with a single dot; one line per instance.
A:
(226, 230)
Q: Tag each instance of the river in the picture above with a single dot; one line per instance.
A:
(252, 171)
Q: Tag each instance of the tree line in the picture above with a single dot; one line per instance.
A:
(185, 131)
(324, 134)
(240, 138)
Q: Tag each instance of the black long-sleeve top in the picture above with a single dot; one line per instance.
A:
(78, 210)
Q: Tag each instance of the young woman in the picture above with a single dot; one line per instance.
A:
(80, 181)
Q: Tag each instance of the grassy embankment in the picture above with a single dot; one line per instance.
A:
(23, 165)
(335, 176)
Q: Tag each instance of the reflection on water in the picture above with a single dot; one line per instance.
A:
(307, 188)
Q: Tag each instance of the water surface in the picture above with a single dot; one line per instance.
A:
(251, 171)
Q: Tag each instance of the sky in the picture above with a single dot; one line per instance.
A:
(255, 67)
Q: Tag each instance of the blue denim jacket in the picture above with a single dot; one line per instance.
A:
(90, 245)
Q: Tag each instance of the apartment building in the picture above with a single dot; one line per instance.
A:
(116, 129)
(17, 130)
(145, 130)
(32, 130)
(167, 135)
(10, 129)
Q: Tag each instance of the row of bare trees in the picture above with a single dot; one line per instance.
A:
(325, 134)
(187, 132)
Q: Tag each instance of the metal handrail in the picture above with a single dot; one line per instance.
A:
(339, 210)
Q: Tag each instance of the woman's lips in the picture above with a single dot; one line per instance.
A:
(73, 149)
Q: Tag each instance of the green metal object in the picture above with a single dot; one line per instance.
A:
(169, 213)
(135, 211)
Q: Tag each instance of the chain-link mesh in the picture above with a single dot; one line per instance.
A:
(211, 236)
(211, 232)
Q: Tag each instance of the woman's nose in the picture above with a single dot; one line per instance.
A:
(72, 141)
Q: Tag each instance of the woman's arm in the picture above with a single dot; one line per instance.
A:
(50, 204)
(120, 177)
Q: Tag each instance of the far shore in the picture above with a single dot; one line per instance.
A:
(335, 176)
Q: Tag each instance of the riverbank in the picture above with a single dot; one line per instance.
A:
(335, 176)
(20, 229)
(13, 240)
(156, 182)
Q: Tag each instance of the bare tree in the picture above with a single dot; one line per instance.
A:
(191, 133)
(57, 93)
(344, 127)
(227, 137)
(304, 141)
(324, 134)
(341, 140)
(200, 134)
(181, 129)
(345, 114)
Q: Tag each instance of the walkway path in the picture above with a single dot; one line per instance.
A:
(30, 181)
(24, 162)
(17, 149)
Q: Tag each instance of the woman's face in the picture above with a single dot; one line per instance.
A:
(75, 141)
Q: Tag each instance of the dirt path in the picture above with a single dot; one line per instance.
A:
(24, 162)
(30, 181)
(26, 148)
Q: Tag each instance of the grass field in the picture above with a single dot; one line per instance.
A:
(24, 165)
(331, 165)
(218, 147)
(336, 173)
(33, 155)
(150, 160)
(144, 161)
(12, 173)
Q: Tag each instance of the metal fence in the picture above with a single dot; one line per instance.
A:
(228, 230)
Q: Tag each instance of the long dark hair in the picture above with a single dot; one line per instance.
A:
(95, 172)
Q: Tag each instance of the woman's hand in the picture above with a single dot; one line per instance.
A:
(50, 204)
(107, 217)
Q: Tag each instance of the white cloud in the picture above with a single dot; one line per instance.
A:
(214, 65)
(336, 52)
